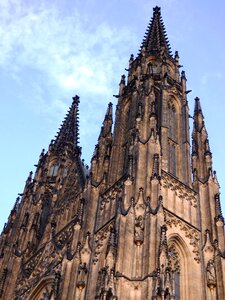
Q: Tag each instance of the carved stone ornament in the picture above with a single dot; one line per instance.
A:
(139, 230)
(181, 190)
(191, 233)
(211, 274)
(139, 214)
(174, 259)
(82, 276)
(45, 262)
(101, 238)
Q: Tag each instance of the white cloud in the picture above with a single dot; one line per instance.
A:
(65, 49)
(62, 55)
(209, 76)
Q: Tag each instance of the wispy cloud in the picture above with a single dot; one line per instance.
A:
(66, 49)
(207, 77)
(68, 54)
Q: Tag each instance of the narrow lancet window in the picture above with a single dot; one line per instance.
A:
(177, 285)
(169, 160)
(172, 123)
(173, 160)
(53, 170)
(174, 263)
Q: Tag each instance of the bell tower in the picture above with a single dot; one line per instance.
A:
(154, 102)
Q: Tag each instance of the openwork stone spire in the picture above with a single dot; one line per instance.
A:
(155, 39)
(68, 134)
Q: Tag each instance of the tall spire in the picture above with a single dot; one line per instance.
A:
(155, 39)
(68, 134)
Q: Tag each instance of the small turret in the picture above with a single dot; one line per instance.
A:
(122, 84)
(100, 159)
(201, 154)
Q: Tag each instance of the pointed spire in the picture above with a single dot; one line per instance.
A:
(107, 123)
(201, 153)
(155, 39)
(198, 108)
(219, 215)
(68, 134)
(108, 115)
(198, 116)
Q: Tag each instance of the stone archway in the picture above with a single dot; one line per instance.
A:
(43, 291)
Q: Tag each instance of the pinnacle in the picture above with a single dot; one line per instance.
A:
(108, 114)
(197, 108)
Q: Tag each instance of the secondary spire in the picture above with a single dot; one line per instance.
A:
(68, 134)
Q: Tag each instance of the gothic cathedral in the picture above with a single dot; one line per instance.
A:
(145, 221)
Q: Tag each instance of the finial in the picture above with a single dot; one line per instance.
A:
(157, 10)
(29, 178)
(76, 99)
(122, 81)
(176, 55)
(131, 58)
(16, 205)
(108, 114)
(42, 153)
(183, 75)
(198, 108)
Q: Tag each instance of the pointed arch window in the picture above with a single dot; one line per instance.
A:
(53, 170)
(174, 263)
(65, 172)
(46, 297)
(172, 122)
(152, 69)
(177, 285)
(173, 154)
(172, 164)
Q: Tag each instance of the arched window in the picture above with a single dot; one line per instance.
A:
(174, 262)
(152, 69)
(65, 172)
(173, 154)
(53, 170)
(172, 122)
(171, 158)
(46, 296)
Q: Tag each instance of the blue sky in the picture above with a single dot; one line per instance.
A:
(52, 50)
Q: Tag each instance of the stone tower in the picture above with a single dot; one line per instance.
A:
(144, 222)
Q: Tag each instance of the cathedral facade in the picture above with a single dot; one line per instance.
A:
(145, 221)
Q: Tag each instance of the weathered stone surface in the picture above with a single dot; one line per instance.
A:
(135, 226)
